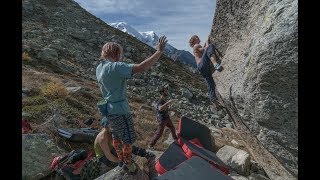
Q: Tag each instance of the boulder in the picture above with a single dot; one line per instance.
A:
(37, 154)
(237, 159)
(119, 174)
(259, 42)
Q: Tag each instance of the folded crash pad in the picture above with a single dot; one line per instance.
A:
(194, 168)
(189, 129)
(172, 157)
(85, 135)
(194, 148)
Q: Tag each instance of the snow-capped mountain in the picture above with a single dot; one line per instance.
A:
(124, 27)
(151, 38)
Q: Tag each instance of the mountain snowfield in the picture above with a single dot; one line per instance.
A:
(150, 38)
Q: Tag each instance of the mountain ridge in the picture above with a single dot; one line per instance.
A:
(151, 38)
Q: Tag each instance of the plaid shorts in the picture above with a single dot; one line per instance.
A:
(122, 127)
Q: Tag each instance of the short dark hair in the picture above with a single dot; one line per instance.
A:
(192, 39)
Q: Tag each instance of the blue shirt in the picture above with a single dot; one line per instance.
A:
(111, 78)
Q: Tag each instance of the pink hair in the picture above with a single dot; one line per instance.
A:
(111, 50)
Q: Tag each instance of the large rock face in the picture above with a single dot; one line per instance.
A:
(259, 41)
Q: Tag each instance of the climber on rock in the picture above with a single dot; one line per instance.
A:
(205, 56)
(111, 75)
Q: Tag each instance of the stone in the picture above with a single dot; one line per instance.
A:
(238, 177)
(119, 174)
(73, 89)
(81, 34)
(238, 160)
(254, 176)
(48, 54)
(169, 140)
(37, 153)
(262, 44)
(186, 93)
(26, 115)
(131, 82)
(254, 166)
(236, 144)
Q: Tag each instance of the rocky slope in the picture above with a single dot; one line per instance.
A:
(259, 41)
(61, 44)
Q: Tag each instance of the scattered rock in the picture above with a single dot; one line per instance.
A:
(255, 176)
(221, 114)
(172, 113)
(73, 89)
(119, 174)
(48, 54)
(254, 166)
(131, 82)
(139, 81)
(236, 144)
(26, 115)
(186, 93)
(145, 107)
(228, 125)
(169, 140)
(238, 177)
(237, 159)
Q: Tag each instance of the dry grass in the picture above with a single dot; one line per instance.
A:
(55, 89)
(79, 106)
(26, 57)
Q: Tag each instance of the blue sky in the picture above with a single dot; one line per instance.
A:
(177, 19)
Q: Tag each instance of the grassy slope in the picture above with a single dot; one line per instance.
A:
(79, 106)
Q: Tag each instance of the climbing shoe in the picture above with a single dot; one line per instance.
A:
(218, 67)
